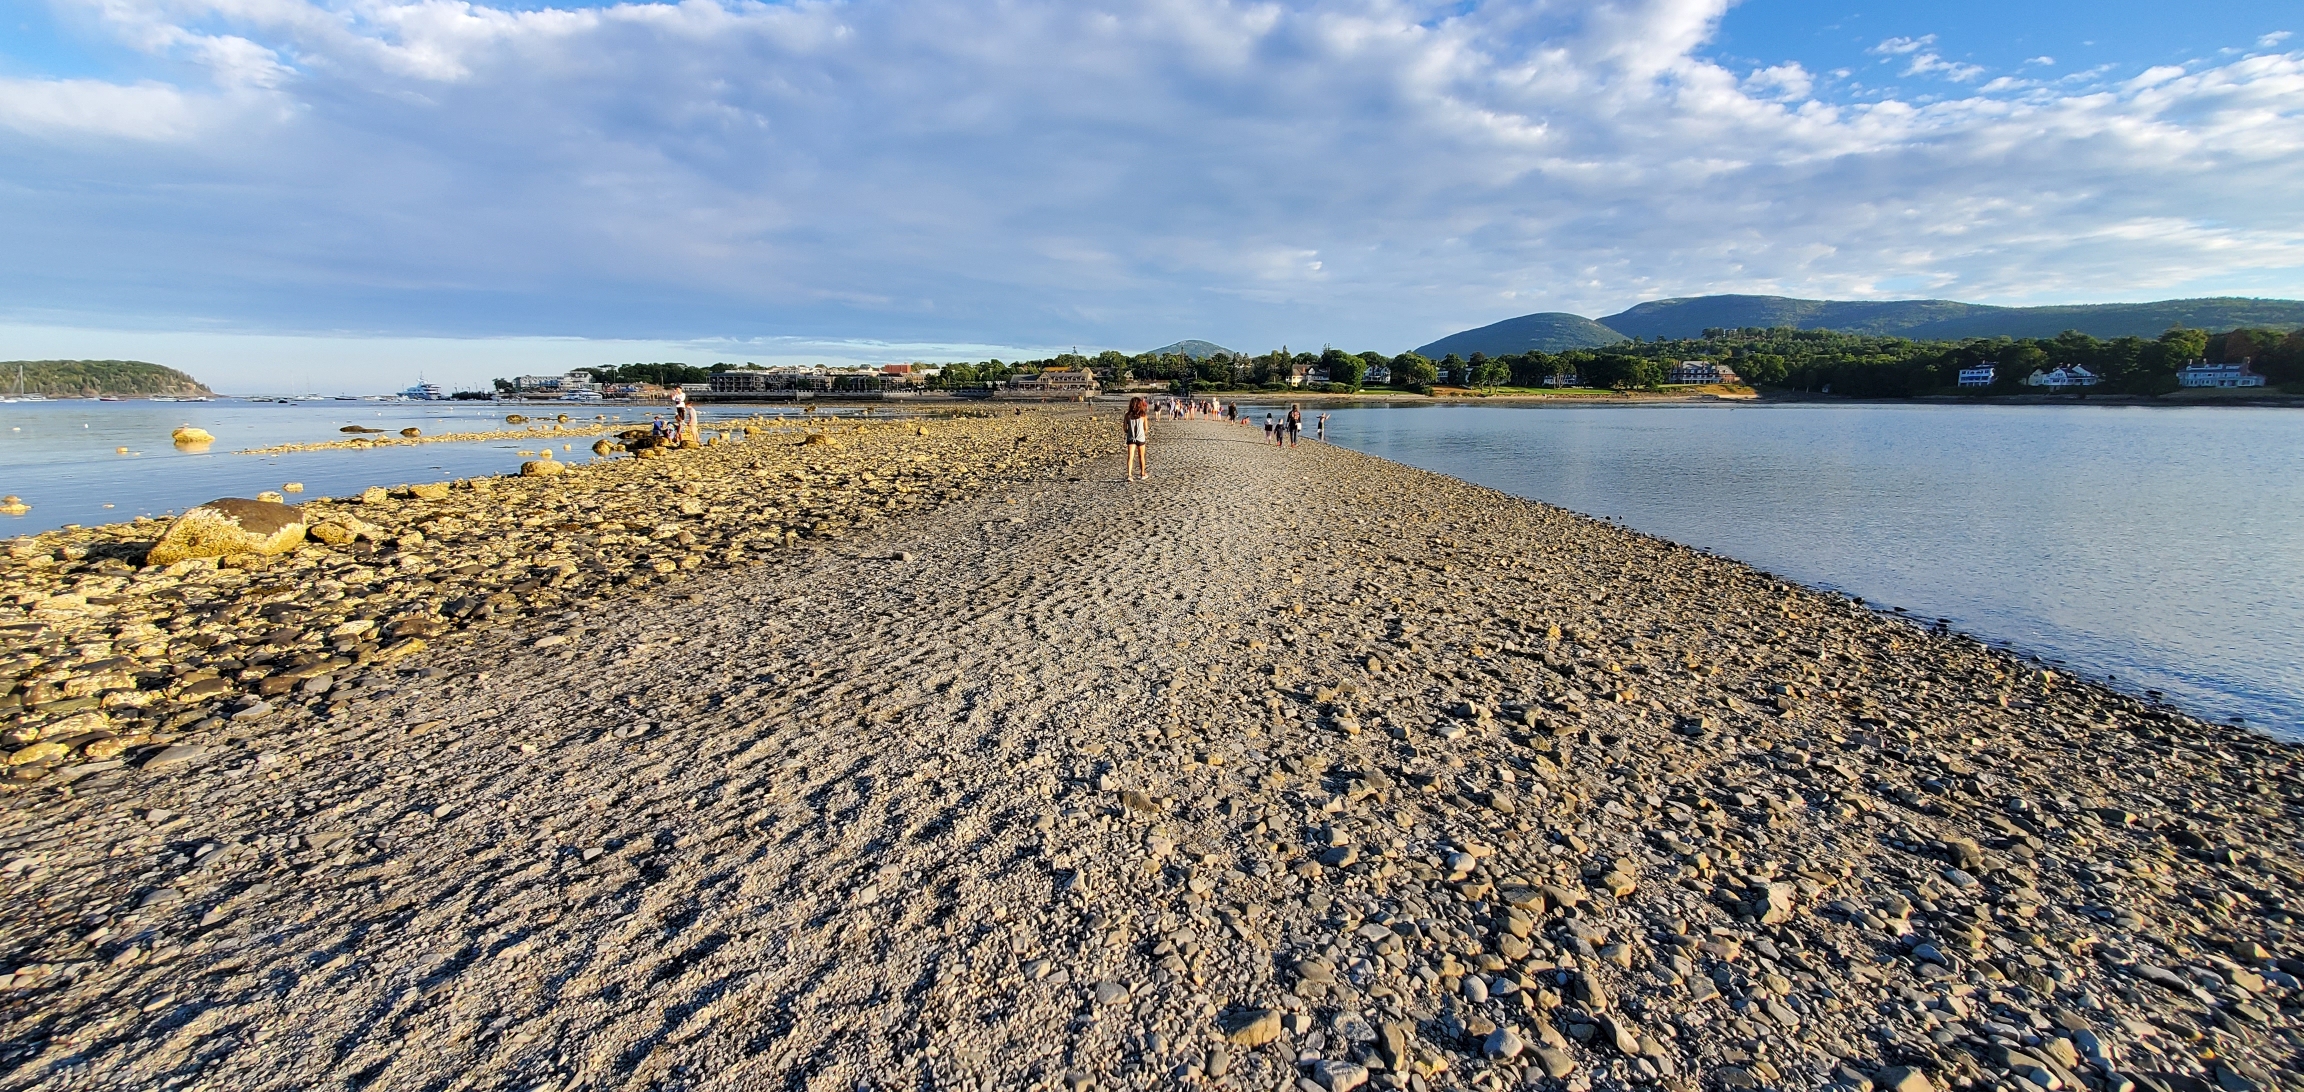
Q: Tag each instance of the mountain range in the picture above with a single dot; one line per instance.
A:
(1556, 331)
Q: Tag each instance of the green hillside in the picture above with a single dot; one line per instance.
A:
(94, 378)
(1193, 348)
(1549, 332)
(1948, 319)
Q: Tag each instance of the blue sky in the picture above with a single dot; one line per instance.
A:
(247, 186)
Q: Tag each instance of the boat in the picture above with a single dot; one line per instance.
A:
(20, 395)
(161, 398)
(581, 396)
(110, 398)
(424, 392)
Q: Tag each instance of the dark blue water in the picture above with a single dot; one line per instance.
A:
(2162, 547)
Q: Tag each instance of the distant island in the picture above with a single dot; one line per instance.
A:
(97, 379)
(1917, 320)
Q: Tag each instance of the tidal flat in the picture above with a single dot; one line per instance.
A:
(932, 753)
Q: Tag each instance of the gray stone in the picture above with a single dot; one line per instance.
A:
(1503, 1043)
(1339, 1076)
(182, 754)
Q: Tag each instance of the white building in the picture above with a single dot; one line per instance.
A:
(1981, 375)
(2200, 373)
(553, 384)
(1563, 380)
(2063, 378)
(1700, 371)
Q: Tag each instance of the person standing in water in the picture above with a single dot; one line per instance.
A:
(1320, 429)
(1138, 428)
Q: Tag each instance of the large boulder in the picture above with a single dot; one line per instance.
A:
(229, 527)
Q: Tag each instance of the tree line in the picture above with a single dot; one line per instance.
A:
(1856, 365)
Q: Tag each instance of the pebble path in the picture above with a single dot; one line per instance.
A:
(1287, 769)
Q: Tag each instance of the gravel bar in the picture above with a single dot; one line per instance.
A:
(934, 755)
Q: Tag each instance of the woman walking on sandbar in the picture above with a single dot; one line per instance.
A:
(1138, 426)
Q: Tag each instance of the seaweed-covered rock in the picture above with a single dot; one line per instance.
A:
(229, 527)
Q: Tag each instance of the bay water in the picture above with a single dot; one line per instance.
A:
(2157, 548)
(66, 460)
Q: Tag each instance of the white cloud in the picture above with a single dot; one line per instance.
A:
(2273, 40)
(92, 108)
(1111, 172)
(1923, 60)
(1897, 47)
(1784, 81)
(2043, 59)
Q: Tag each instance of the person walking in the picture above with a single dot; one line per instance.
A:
(1138, 428)
(1295, 422)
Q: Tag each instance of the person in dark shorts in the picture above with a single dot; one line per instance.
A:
(1138, 428)
(1295, 423)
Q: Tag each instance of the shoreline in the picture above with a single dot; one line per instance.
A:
(1288, 764)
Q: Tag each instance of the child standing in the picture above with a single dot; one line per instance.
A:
(1137, 426)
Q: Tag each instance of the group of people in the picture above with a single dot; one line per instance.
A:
(1283, 431)
(1289, 427)
(683, 427)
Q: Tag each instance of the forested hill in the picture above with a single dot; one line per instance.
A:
(94, 378)
(1948, 320)
(1546, 332)
(1193, 348)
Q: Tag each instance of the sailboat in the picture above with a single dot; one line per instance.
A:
(20, 395)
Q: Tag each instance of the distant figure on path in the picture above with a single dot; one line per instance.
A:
(1320, 428)
(1295, 422)
(1271, 429)
(1138, 427)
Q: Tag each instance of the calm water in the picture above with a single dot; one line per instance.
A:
(61, 456)
(2164, 547)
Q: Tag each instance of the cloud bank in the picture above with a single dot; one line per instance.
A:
(1122, 173)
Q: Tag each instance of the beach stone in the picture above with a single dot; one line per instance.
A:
(188, 436)
(1503, 1043)
(1557, 1063)
(1339, 1076)
(542, 468)
(1253, 1028)
(182, 754)
(1902, 1078)
(1396, 1044)
(229, 527)
(48, 751)
(430, 491)
(1109, 991)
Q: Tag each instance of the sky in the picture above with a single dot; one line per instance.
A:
(340, 195)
